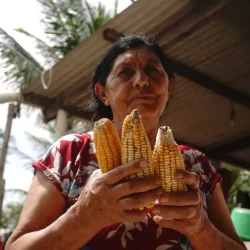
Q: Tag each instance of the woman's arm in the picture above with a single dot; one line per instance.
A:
(43, 225)
(182, 211)
(105, 200)
(219, 232)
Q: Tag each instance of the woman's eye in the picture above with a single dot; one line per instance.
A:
(126, 71)
(150, 70)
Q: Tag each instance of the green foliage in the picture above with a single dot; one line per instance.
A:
(241, 185)
(12, 211)
(98, 16)
(66, 23)
(49, 54)
(10, 215)
(20, 68)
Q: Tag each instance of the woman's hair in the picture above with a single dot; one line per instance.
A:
(104, 67)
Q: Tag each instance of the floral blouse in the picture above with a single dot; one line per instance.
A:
(70, 161)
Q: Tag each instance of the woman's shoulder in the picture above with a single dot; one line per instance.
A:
(77, 138)
(66, 150)
(195, 160)
(73, 142)
(191, 154)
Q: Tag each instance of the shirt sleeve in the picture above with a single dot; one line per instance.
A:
(58, 164)
(198, 162)
(210, 177)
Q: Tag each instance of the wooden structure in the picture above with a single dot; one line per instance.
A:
(208, 43)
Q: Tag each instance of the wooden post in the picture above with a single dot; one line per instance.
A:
(61, 123)
(6, 137)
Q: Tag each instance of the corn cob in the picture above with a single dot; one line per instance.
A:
(167, 158)
(107, 144)
(135, 143)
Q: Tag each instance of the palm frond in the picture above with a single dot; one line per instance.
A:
(20, 68)
(43, 48)
(41, 144)
(64, 23)
(91, 13)
(98, 16)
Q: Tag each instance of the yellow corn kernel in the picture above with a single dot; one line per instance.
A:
(135, 145)
(107, 144)
(167, 158)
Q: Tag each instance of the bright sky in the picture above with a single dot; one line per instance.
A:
(26, 14)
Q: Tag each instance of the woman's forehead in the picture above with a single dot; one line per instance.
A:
(132, 55)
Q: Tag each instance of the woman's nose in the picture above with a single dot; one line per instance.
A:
(140, 81)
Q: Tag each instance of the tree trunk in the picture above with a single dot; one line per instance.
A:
(6, 137)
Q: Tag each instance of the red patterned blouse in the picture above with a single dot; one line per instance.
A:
(70, 161)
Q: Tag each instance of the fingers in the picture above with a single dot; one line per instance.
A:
(173, 224)
(134, 215)
(117, 174)
(180, 198)
(189, 178)
(139, 200)
(136, 186)
(175, 213)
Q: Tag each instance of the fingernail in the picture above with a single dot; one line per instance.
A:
(157, 202)
(143, 164)
(158, 181)
(164, 198)
(156, 210)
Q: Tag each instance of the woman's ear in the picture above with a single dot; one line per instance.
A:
(101, 94)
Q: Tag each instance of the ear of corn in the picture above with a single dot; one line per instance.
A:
(107, 144)
(163, 161)
(167, 158)
(135, 143)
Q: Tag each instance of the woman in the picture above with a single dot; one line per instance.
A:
(65, 211)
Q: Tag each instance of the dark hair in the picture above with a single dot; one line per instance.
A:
(104, 67)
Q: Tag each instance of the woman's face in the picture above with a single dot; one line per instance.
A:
(136, 81)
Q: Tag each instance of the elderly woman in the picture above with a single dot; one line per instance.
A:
(71, 205)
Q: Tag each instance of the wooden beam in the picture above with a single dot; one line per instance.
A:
(50, 107)
(230, 147)
(209, 83)
(38, 101)
(235, 162)
(217, 155)
(79, 113)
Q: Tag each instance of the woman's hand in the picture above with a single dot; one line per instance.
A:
(107, 199)
(182, 211)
